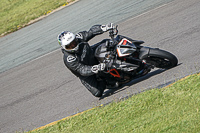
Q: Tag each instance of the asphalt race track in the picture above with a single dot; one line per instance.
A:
(35, 86)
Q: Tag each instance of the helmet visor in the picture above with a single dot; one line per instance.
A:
(72, 45)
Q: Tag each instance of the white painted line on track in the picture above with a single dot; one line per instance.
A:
(44, 55)
(147, 12)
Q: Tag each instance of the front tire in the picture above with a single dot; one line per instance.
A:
(161, 59)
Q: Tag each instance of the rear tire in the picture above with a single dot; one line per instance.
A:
(161, 59)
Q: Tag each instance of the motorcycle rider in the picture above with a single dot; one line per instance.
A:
(79, 57)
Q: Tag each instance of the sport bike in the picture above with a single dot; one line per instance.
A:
(123, 53)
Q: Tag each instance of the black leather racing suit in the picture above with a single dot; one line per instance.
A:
(81, 62)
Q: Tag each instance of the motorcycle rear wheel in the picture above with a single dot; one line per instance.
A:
(161, 59)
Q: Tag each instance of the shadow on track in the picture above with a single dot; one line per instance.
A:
(110, 92)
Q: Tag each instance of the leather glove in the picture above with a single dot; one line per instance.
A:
(107, 27)
(97, 68)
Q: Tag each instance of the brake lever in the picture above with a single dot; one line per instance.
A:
(116, 30)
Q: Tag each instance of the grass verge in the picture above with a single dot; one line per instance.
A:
(175, 108)
(16, 14)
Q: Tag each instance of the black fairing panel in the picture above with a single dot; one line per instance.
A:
(101, 51)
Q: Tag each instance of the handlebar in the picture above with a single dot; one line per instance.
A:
(113, 32)
(111, 45)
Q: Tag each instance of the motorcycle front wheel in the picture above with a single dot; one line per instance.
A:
(161, 59)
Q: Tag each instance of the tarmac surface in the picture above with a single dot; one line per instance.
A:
(37, 88)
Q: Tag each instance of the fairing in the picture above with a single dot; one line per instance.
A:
(125, 48)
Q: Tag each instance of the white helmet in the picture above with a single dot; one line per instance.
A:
(67, 41)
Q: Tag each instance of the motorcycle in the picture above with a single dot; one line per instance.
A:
(120, 52)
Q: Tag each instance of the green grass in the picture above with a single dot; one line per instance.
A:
(16, 14)
(173, 109)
